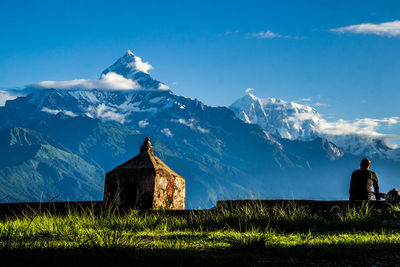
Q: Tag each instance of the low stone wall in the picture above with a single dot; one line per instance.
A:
(98, 207)
(313, 205)
(9, 209)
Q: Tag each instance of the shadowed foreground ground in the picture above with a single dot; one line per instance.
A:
(172, 257)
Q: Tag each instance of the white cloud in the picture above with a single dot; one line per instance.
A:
(167, 132)
(336, 130)
(191, 124)
(366, 126)
(393, 120)
(388, 29)
(232, 32)
(143, 123)
(162, 86)
(268, 34)
(138, 64)
(108, 113)
(109, 81)
(331, 115)
(248, 90)
(112, 116)
(56, 111)
(319, 104)
(359, 136)
(5, 95)
(89, 115)
(305, 100)
(142, 66)
(303, 117)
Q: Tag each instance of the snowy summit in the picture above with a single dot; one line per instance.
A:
(284, 119)
(132, 67)
(295, 121)
(128, 73)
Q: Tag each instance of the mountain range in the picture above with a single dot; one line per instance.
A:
(59, 139)
(295, 121)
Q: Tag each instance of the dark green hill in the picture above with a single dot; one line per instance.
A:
(35, 168)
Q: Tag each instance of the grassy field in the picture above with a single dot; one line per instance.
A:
(248, 235)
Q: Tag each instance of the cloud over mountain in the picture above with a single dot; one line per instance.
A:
(129, 72)
(6, 95)
(366, 127)
(138, 63)
(302, 122)
(109, 80)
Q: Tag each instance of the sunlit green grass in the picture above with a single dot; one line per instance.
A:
(287, 227)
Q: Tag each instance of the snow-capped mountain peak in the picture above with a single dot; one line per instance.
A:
(295, 121)
(134, 63)
(133, 67)
(278, 117)
(129, 72)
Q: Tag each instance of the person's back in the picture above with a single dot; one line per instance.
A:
(362, 181)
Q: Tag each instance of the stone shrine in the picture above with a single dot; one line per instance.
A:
(145, 182)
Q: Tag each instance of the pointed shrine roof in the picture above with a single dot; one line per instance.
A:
(145, 160)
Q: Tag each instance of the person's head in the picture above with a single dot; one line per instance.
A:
(365, 164)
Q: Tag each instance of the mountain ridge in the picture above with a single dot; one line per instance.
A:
(295, 121)
(221, 155)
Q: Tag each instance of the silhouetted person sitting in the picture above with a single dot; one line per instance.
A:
(362, 181)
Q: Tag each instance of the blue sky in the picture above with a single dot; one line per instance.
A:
(214, 50)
